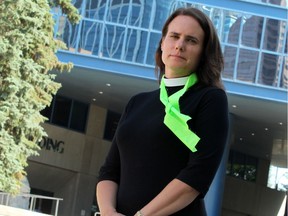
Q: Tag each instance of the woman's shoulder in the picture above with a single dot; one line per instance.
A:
(143, 97)
(209, 91)
(207, 95)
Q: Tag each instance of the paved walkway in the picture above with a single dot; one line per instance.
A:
(11, 211)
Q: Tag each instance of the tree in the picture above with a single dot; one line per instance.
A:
(27, 54)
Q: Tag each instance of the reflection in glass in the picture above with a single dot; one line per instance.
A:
(238, 165)
(250, 169)
(230, 27)
(269, 69)
(252, 31)
(113, 41)
(278, 172)
(160, 9)
(284, 77)
(134, 50)
(278, 178)
(286, 43)
(69, 34)
(153, 44)
(234, 32)
(281, 3)
(90, 37)
(95, 9)
(229, 61)
(117, 11)
(274, 35)
(129, 12)
(242, 166)
(247, 65)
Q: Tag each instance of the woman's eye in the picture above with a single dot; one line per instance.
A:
(191, 40)
(174, 36)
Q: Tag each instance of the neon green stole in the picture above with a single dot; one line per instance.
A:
(174, 119)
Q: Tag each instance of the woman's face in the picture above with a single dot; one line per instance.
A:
(182, 46)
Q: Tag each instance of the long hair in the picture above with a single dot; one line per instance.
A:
(211, 62)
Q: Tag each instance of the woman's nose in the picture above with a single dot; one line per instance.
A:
(179, 45)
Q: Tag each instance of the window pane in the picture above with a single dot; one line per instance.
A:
(216, 16)
(229, 61)
(77, 4)
(238, 167)
(284, 78)
(229, 163)
(113, 41)
(282, 3)
(118, 11)
(252, 31)
(247, 65)
(274, 35)
(286, 43)
(61, 111)
(135, 45)
(112, 120)
(139, 12)
(269, 69)
(234, 31)
(230, 28)
(161, 12)
(154, 41)
(79, 116)
(68, 32)
(90, 37)
(242, 166)
(250, 170)
(95, 9)
(47, 111)
(278, 178)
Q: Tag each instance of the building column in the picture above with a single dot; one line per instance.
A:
(213, 199)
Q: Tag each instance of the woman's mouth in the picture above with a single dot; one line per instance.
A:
(178, 56)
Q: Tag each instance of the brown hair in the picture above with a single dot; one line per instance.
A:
(211, 63)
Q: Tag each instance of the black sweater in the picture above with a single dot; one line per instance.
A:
(145, 155)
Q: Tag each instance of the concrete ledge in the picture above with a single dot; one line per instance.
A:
(11, 211)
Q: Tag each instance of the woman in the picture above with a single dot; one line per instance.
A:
(169, 142)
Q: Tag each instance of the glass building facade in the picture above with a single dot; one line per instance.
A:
(254, 45)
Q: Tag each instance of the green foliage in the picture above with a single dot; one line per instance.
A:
(68, 9)
(27, 54)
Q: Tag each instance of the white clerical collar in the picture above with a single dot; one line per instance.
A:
(180, 81)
